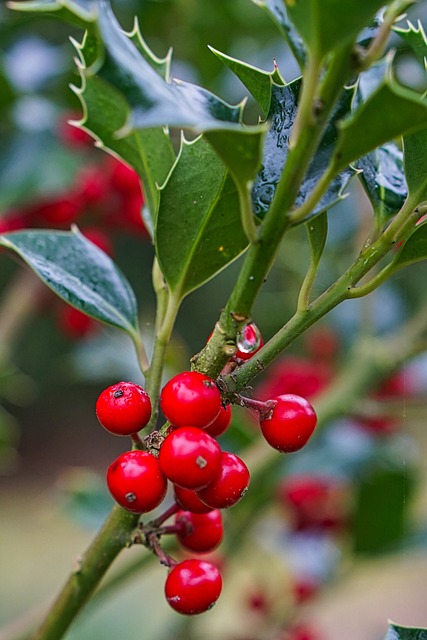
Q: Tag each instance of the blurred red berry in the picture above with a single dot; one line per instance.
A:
(74, 324)
(71, 135)
(297, 376)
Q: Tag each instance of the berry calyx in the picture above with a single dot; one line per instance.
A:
(229, 486)
(290, 424)
(249, 341)
(193, 586)
(188, 500)
(190, 399)
(190, 458)
(124, 408)
(136, 481)
(199, 531)
(221, 422)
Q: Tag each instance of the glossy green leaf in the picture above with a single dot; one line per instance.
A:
(317, 232)
(79, 12)
(415, 37)
(79, 272)
(282, 116)
(240, 150)
(396, 632)
(415, 154)
(325, 25)
(389, 112)
(414, 249)
(383, 177)
(258, 82)
(105, 109)
(198, 230)
(277, 11)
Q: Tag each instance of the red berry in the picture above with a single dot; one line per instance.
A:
(199, 531)
(193, 586)
(190, 399)
(190, 457)
(188, 500)
(136, 481)
(221, 422)
(124, 408)
(229, 486)
(291, 423)
(74, 324)
(58, 212)
(249, 341)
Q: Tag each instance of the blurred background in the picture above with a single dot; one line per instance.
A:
(340, 540)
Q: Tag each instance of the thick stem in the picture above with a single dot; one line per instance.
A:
(88, 571)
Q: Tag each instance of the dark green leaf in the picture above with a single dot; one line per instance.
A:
(396, 632)
(80, 12)
(384, 180)
(277, 12)
(317, 231)
(416, 38)
(258, 82)
(80, 273)
(281, 117)
(325, 25)
(415, 154)
(198, 230)
(153, 102)
(389, 112)
(106, 111)
(380, 510)
(414, 248)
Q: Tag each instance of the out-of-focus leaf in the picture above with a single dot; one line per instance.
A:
(79, 12)
(80, 273)
(277, 11)
(396, 632)
(198, 230)
(325, 25)
(282, 115)
(391, 111)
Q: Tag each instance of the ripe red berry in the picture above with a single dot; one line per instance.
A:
(74, 324)
(188, 500)
(190, 458)
(193, 586)
(221, 422)
(249, 341)
(124, 408)
(190, 399)
(229, 486)
(199, 531)
(136, 481)
(291, 423)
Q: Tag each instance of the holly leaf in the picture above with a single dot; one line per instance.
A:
(80, 273)
(282, 115)
(79, 12)
(278, 13)
(198, 229)
(415, 154)
(106, 111)
(396, 632)
(416, 39)
(258, 82)
(390, 111)
(414, 249)
(383, 178)
(317, 232)
(325, 25)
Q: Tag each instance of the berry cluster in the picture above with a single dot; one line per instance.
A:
(186, 453)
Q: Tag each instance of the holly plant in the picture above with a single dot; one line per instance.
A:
(218, 188)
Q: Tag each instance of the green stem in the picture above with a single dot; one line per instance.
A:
(305, 115)
(246, 211)
(111, 539)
